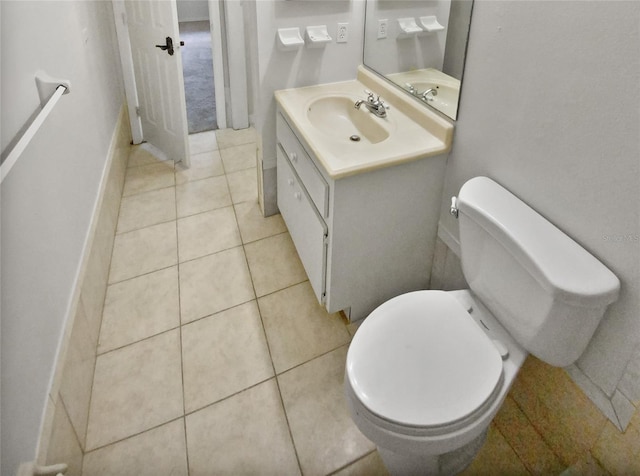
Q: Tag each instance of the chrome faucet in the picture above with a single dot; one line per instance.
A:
(432, 91)
(374, 104)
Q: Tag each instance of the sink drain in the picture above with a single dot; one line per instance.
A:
(355, 138)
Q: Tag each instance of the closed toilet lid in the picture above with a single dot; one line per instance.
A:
(420, 360)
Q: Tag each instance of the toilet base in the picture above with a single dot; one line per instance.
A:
(447, 464)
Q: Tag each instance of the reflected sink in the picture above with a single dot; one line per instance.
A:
(447, 98)
(424, 79)
(447, 93)
(336, 116)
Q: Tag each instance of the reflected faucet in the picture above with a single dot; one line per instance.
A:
(374, 104)
(432, 91)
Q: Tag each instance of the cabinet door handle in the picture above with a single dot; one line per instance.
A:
(290, 182)
(298, 195)
(293, 156)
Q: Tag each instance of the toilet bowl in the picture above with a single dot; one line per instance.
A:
(438, 414)
(427, 371)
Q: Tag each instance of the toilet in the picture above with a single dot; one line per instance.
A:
(427, 371)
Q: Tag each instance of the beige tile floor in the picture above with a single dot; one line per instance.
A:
(214, 356)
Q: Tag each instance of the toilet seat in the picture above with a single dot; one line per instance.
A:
(420, 360)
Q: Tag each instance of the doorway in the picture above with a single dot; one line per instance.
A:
(197, 65)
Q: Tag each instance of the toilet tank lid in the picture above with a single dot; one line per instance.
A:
(556, 261)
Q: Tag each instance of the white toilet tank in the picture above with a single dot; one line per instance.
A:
(545, 289)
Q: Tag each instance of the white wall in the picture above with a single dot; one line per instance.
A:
(49, 197)
(193, 10)
(307, 66)
(550, 108)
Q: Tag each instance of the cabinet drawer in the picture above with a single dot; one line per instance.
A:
(305, 168)
(305, 226)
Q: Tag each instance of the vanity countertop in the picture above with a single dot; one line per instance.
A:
(412, 131)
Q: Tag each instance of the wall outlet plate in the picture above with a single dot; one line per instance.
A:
(342, 35)
(383, 25)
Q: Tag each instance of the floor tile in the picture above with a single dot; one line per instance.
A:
(142, 251)
(207, 233)
(239, 157)
(243, 185)
(140, 156)
(238, 358)
(135, 388)
(139, 308)
(253, 226)
(203, 165)
(77, 377)
(496, 457)
(245, 434)
(64, 445)
(274, 264)
(352, 327)
(567, 420)
(588, 466)
(148, 208)
(298, 328)
(618, 452)
(148, 177)
(202, 142)
(326, 438)
(229, 137)
(202, 195)
(160, 451)
(525, 440)
(370, 465)
(214, 283)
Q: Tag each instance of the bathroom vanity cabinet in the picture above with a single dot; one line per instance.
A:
(362, 238)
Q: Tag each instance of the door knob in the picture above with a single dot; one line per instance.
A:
(168, 46)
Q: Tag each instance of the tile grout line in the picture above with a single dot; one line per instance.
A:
(129, 344)
(507, 440)
(128, 437)
(541, 436)
(184, 418)
(275, 375)
(73, 428)
(333, 473)
(312, 358)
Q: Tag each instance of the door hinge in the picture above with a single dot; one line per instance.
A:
(323, 298)
(124, 19)
(138, 111)
(325, 238)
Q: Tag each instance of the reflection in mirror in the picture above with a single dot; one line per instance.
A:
(420, 46)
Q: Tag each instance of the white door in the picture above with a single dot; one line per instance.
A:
(158, 74)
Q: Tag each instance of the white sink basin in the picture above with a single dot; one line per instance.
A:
(325, 118)
(336, 116)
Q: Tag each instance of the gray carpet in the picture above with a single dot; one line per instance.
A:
(197, 66)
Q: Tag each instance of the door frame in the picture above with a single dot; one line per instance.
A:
(237, 69)
(215, 25)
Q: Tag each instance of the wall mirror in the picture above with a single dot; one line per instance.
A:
(420, 46)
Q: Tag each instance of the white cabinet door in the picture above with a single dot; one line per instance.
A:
(306, 228)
